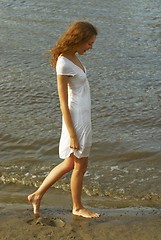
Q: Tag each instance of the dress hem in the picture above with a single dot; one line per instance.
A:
(76, 154)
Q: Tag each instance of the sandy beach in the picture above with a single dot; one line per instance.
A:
(57, 222)
(17, 223)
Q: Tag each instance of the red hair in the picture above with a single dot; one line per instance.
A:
(77, 33)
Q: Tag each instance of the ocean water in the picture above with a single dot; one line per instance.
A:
(125, 79)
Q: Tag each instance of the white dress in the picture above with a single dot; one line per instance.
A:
(79, 102)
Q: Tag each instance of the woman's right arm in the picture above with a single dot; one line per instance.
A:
(62, 83)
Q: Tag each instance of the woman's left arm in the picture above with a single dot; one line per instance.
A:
(62, 82)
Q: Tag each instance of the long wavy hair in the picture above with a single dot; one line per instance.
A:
(78, 32)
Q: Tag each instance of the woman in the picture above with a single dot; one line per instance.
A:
(74, 95)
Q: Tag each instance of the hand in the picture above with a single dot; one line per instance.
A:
(74, 143)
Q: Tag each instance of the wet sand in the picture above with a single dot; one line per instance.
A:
(57, 222)
(17, 223)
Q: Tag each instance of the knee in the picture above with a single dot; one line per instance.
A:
(79, 170)
(68, 165)
(80, 167)
(84, 168)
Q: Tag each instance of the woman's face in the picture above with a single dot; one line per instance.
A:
(82, 48)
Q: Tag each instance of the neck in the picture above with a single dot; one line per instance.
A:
(70, 53)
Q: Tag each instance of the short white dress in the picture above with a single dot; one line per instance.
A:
(79, 102)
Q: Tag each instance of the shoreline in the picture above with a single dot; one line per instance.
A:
(56, 221)
(59, 223)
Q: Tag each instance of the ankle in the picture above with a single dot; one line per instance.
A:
(36, 196)
(77, 207)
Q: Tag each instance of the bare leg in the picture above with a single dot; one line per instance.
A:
(64, 167)
(80, 166)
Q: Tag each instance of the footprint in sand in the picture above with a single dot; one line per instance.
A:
(47, 221)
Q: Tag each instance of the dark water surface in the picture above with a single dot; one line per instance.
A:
(125, 78)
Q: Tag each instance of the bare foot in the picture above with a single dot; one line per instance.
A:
(35, 201)
(83, 212)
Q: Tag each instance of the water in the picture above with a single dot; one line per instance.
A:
(124, 74)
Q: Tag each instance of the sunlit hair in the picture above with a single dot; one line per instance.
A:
(78, 32)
